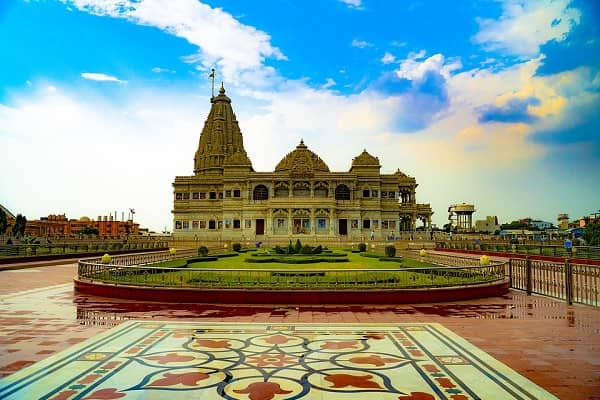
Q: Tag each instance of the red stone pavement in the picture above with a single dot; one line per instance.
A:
(555, 345)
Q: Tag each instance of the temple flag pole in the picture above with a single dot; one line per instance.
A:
(212, 75)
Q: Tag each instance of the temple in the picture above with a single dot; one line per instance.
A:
(226, 199)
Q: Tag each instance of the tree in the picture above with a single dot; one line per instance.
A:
(19, 226)
(515, 225)
(591, 234)
(89, 230)
(3, 222)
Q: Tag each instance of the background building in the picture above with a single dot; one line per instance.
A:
(487, 225)
(226, 199)
(59, 225)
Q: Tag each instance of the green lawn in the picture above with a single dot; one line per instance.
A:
(235, 272)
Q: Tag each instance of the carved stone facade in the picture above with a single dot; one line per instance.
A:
(226, 199)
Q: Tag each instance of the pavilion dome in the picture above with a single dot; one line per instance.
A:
(365, 159)
(301, 158)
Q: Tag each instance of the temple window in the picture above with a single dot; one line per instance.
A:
(186, 196)
(374, 193)
(202, 195)
(321, 190)
(237, 193)
(282, 191)
(301, 189)
(228, 193)
(212, 224)
(178, 196)
(366, 193)
(212, 196)
(342, 192)
(195, 195)
(261, 193)
(366, 224)
(236, 224)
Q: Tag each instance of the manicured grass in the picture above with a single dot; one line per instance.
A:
(341, 275)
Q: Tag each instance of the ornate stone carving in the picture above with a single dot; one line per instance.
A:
(301, 162)
(238, 158)
(364, 159)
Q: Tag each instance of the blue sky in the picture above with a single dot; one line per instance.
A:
(490, 102)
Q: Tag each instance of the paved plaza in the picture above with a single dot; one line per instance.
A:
(514, 346)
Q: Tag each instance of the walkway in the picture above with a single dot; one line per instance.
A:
(554, 345)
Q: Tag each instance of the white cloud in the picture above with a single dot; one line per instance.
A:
(388, 58)
(361, 44)
(222, 40)
(101, 155)
(356, 4)
(413, 69)
(95, 76)
(525, 25)
(159, 70)
(328, 83)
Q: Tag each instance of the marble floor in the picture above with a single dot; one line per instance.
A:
(551, 344)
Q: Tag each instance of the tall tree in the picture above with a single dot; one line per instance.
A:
(19, 226)
(591, 234)
(3, 222)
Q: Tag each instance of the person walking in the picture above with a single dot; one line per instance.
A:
(372, 234)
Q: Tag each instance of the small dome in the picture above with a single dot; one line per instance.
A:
(301, 159)
(400, 173)
(364, 159)
(84, 219)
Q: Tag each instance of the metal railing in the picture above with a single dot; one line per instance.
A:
(12, 250)
(142, 258)
(580, 252)
(572, 282)
(123, 272)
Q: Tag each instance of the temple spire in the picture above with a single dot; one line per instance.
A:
(221, 140)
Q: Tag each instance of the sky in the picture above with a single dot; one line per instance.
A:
(490, 102)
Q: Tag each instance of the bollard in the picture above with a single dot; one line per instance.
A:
(568, 281)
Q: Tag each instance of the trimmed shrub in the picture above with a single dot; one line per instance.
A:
(290, 248)
(390, 251)
(362, 247)
(297, 246)
(317, 250)
(393, 259)
(294, 260)
(236, 247)
(306, 249)
(201, 259)
(370, 255)
(228, 254)
(203, 251)
(279, 250)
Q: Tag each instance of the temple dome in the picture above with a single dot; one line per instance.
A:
(365, 159)
(301, 159)
(401, 174)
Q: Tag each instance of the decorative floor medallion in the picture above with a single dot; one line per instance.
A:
(189, 360)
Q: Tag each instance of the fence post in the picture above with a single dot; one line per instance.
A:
(568, 281)
(510, 273)
(528, 273)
